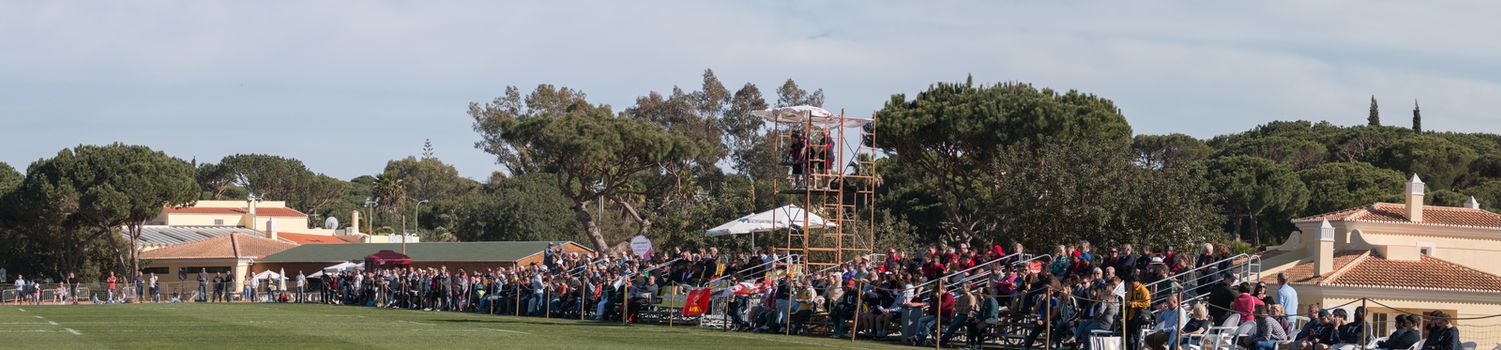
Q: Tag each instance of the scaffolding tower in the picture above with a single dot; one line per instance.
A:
(829, 165)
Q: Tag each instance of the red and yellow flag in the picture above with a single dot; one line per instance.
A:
(697, 302)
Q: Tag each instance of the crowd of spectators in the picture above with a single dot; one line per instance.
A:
(1068, 298)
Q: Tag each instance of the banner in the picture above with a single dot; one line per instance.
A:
(697, 303)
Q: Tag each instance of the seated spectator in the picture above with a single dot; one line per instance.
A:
(1405, 336)
(1269, 332)
(1441, 332)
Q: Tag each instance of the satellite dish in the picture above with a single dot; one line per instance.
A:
(331, 223)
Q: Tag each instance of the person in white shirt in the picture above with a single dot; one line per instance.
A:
(156, 292)
(301, 285)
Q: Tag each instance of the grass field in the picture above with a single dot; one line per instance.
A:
(287, 326)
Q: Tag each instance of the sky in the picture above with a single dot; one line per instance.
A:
(345, 86)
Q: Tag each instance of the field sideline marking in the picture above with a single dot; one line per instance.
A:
(22, 310)
(70, 330)
(37, 316)
(52, 323)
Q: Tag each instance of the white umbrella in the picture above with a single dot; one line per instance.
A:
(799, 114)
(780, 218)
(282, 279)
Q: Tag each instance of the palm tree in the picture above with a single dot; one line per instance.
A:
(392, 192)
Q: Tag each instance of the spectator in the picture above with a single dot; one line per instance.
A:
(1268, 334)
(1222, 297)
(156, 290)
(111, 287)
(1138, 315)
(1167, 326)
(1245, 303)
(1441, 334)
(1286, 295)
(1405, 336)
(1354, 334)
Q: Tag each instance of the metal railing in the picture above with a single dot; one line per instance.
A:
(999, 260)
(1196, 283)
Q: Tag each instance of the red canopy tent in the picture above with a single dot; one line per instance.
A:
(386, 258)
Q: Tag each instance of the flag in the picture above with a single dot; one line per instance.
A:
(697, 302)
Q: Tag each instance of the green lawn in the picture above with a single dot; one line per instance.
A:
(286, 326)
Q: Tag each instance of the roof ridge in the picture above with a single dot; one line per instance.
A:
(234, 245)
(1340, 272)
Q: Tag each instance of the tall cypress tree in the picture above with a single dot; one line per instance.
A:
(1417, 118)
(1375, 118)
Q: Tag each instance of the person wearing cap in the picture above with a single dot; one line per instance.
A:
(1222, 298)
(1308, 338)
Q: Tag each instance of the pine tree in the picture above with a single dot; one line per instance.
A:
(1375, 118)
(1417, 118)
(427, 148)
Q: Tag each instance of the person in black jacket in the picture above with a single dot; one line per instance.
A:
(1442, 335)
(1405, 336)
(1221, 298)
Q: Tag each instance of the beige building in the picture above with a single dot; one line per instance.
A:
(177, 266)
(1403, 257)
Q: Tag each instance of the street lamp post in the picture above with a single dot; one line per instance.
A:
(370, 204)
(414, 226)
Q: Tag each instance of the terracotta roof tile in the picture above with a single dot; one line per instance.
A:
(1302, 273)
(1425, 273)
(234, 245)
(234, 211)
(1396, 212)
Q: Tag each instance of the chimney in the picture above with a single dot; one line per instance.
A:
(1415, 199)
(270, 229)
(1323, 262)
(1472, 203)
(354, 221)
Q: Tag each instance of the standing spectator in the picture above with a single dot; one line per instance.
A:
(156, 291)
(1286, 295)
(1221, 298)
(20, 285)
(218, 287)
(301, 286)
(72, 282)
(1138, 301)
(140, 286)
(202, 285)
(1126, 264)
(1245, 303)
(111, 287)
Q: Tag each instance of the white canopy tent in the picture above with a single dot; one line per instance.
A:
(789, 216)
(341, 267)
(268, 275)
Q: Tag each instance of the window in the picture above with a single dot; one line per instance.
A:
(1378, 321)
(1427, 248)
(218, 222)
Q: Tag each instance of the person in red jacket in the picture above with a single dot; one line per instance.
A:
(1245, 304)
